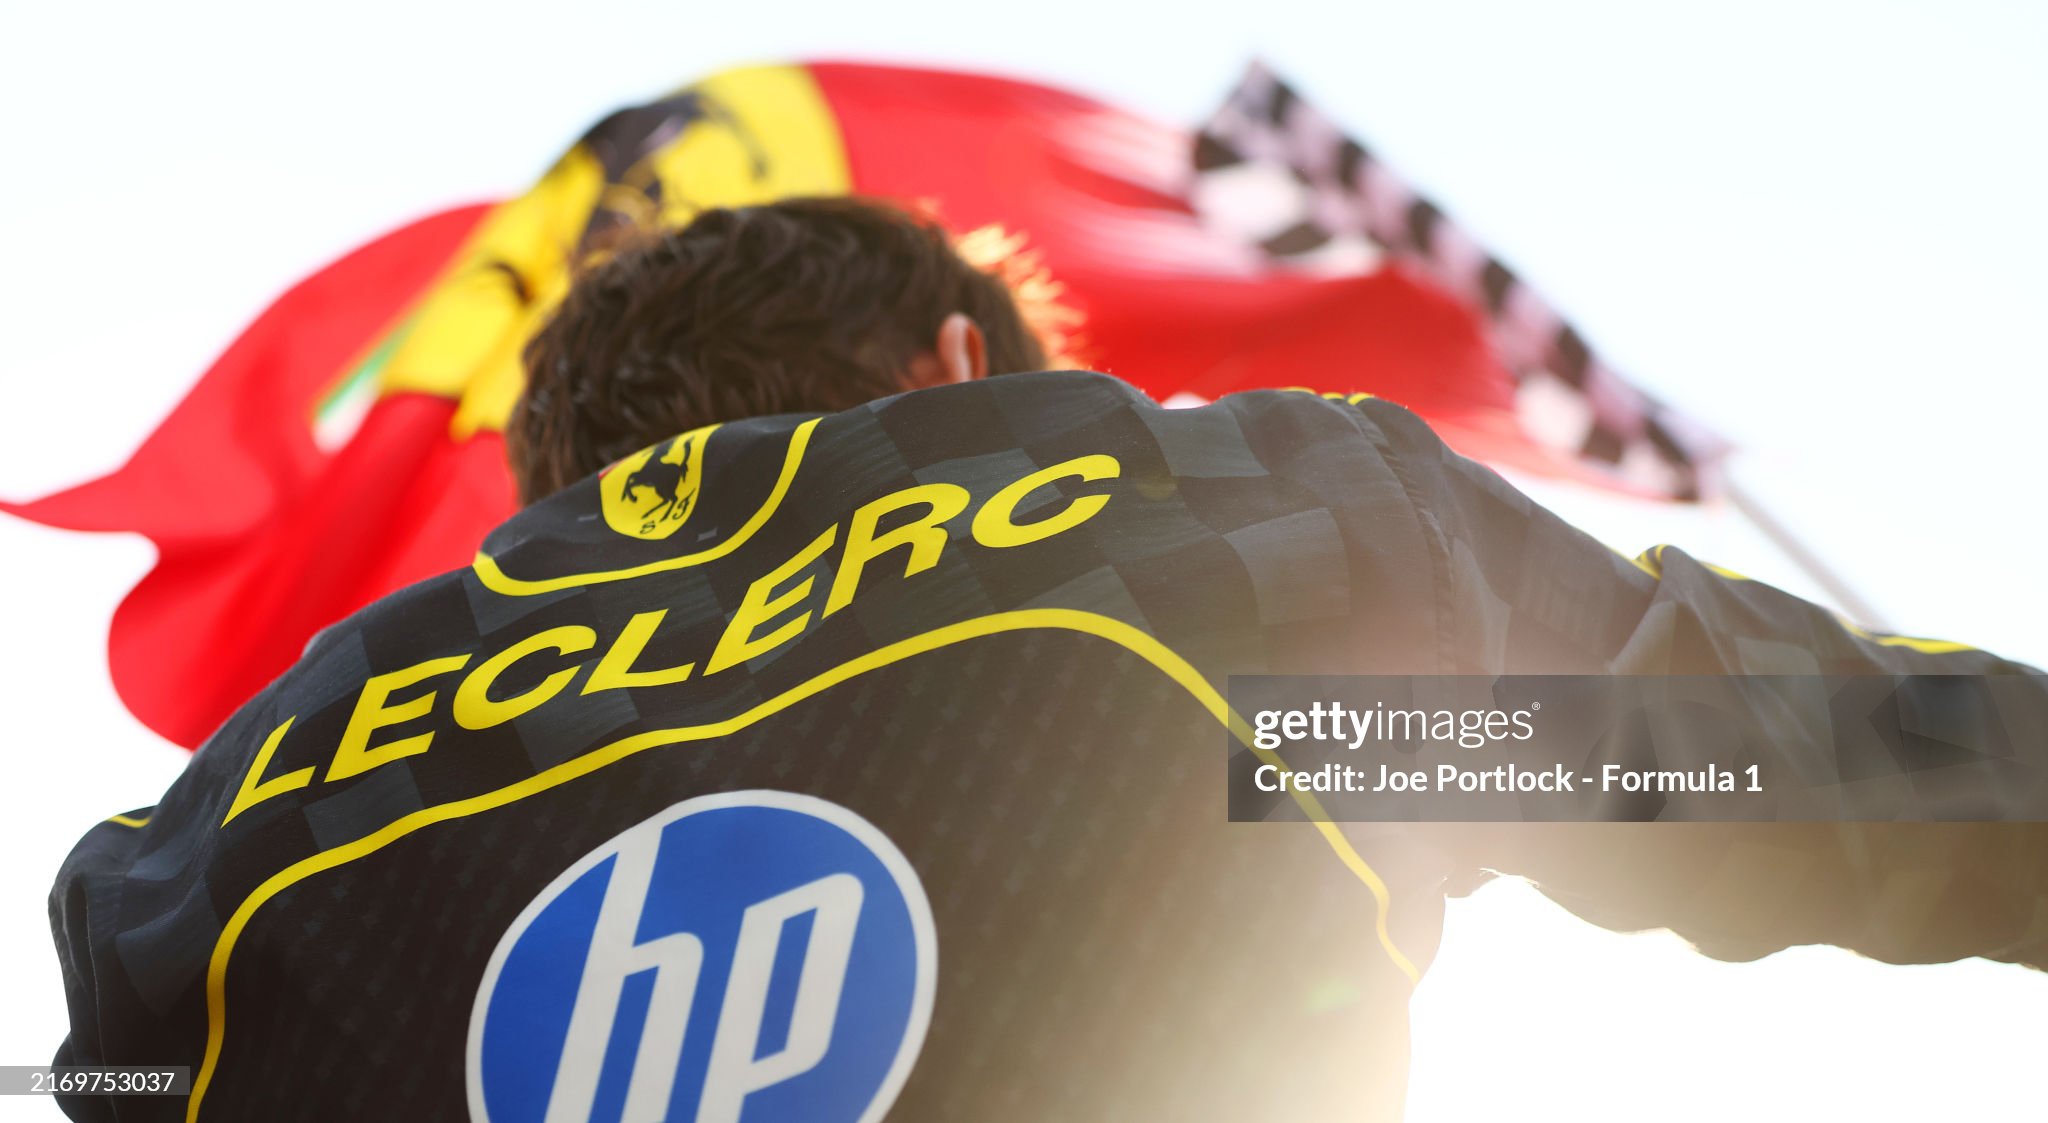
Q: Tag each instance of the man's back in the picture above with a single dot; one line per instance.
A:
(878, 755)
(986, 625)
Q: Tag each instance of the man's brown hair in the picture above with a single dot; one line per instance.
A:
(800, 306)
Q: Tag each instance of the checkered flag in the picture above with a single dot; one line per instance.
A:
(1277, 172)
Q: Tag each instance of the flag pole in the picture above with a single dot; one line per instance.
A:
(1802, 555)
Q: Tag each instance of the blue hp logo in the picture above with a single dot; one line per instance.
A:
(755, 956)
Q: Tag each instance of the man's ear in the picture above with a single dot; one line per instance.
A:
(962, 351)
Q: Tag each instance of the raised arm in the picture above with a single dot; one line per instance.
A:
(1522, 592)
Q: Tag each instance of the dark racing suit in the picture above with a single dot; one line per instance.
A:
(805, 767)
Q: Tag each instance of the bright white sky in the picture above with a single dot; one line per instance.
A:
(1816, 225)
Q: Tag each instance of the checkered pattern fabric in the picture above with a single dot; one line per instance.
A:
(1273, 169)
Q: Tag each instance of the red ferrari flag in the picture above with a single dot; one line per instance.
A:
(348, 443)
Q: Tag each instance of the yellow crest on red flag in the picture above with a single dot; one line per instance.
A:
(743, 137)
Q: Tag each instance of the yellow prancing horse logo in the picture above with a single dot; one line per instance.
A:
(651, 493)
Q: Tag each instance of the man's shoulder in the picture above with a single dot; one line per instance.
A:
(1197, 435)
(698, 497)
